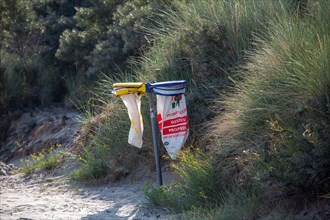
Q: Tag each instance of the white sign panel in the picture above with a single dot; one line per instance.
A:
(173, 122)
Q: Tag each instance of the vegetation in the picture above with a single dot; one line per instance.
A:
(235, 204)
(258, 91)
(103, 147)
(53, 50)
(277, 117)
(43, 160)
(198, 193)
(281, 107)
(196, 187)
(95, 164)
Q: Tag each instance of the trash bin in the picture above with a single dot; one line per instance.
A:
(171, 114)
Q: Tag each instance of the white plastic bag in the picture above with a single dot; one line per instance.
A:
(173, 122)
(133, 104)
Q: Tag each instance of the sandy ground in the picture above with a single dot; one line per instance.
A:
(39, 197)
(52, 196)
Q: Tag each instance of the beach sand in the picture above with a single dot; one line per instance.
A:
(41, 197)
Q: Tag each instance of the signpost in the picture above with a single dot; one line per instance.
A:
(155, 139)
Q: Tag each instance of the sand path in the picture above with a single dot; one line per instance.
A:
(37, 197)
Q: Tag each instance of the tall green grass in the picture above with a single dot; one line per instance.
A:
(226, 26)
(196, 187)
(203, 42)
(281, 107)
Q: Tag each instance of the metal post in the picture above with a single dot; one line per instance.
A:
(155, 138)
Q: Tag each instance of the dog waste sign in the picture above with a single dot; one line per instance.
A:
(171, 116)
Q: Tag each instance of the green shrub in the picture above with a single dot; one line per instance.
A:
(13, 81)
(196, 186)
(28, 81)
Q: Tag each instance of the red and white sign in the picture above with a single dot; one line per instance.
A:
(173, 122)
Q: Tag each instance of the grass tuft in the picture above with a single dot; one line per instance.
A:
(236, 203)
(94, 164)
(196, 187)
(43, 160)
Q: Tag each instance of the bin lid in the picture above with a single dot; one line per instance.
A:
(168, 88)
(168, 83)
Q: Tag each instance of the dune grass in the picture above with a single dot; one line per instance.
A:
(281, 107)
(196, 186)
(203, 42)
(278, 114)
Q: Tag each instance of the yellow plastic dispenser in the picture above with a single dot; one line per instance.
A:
(130, 93)
(129, 88)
